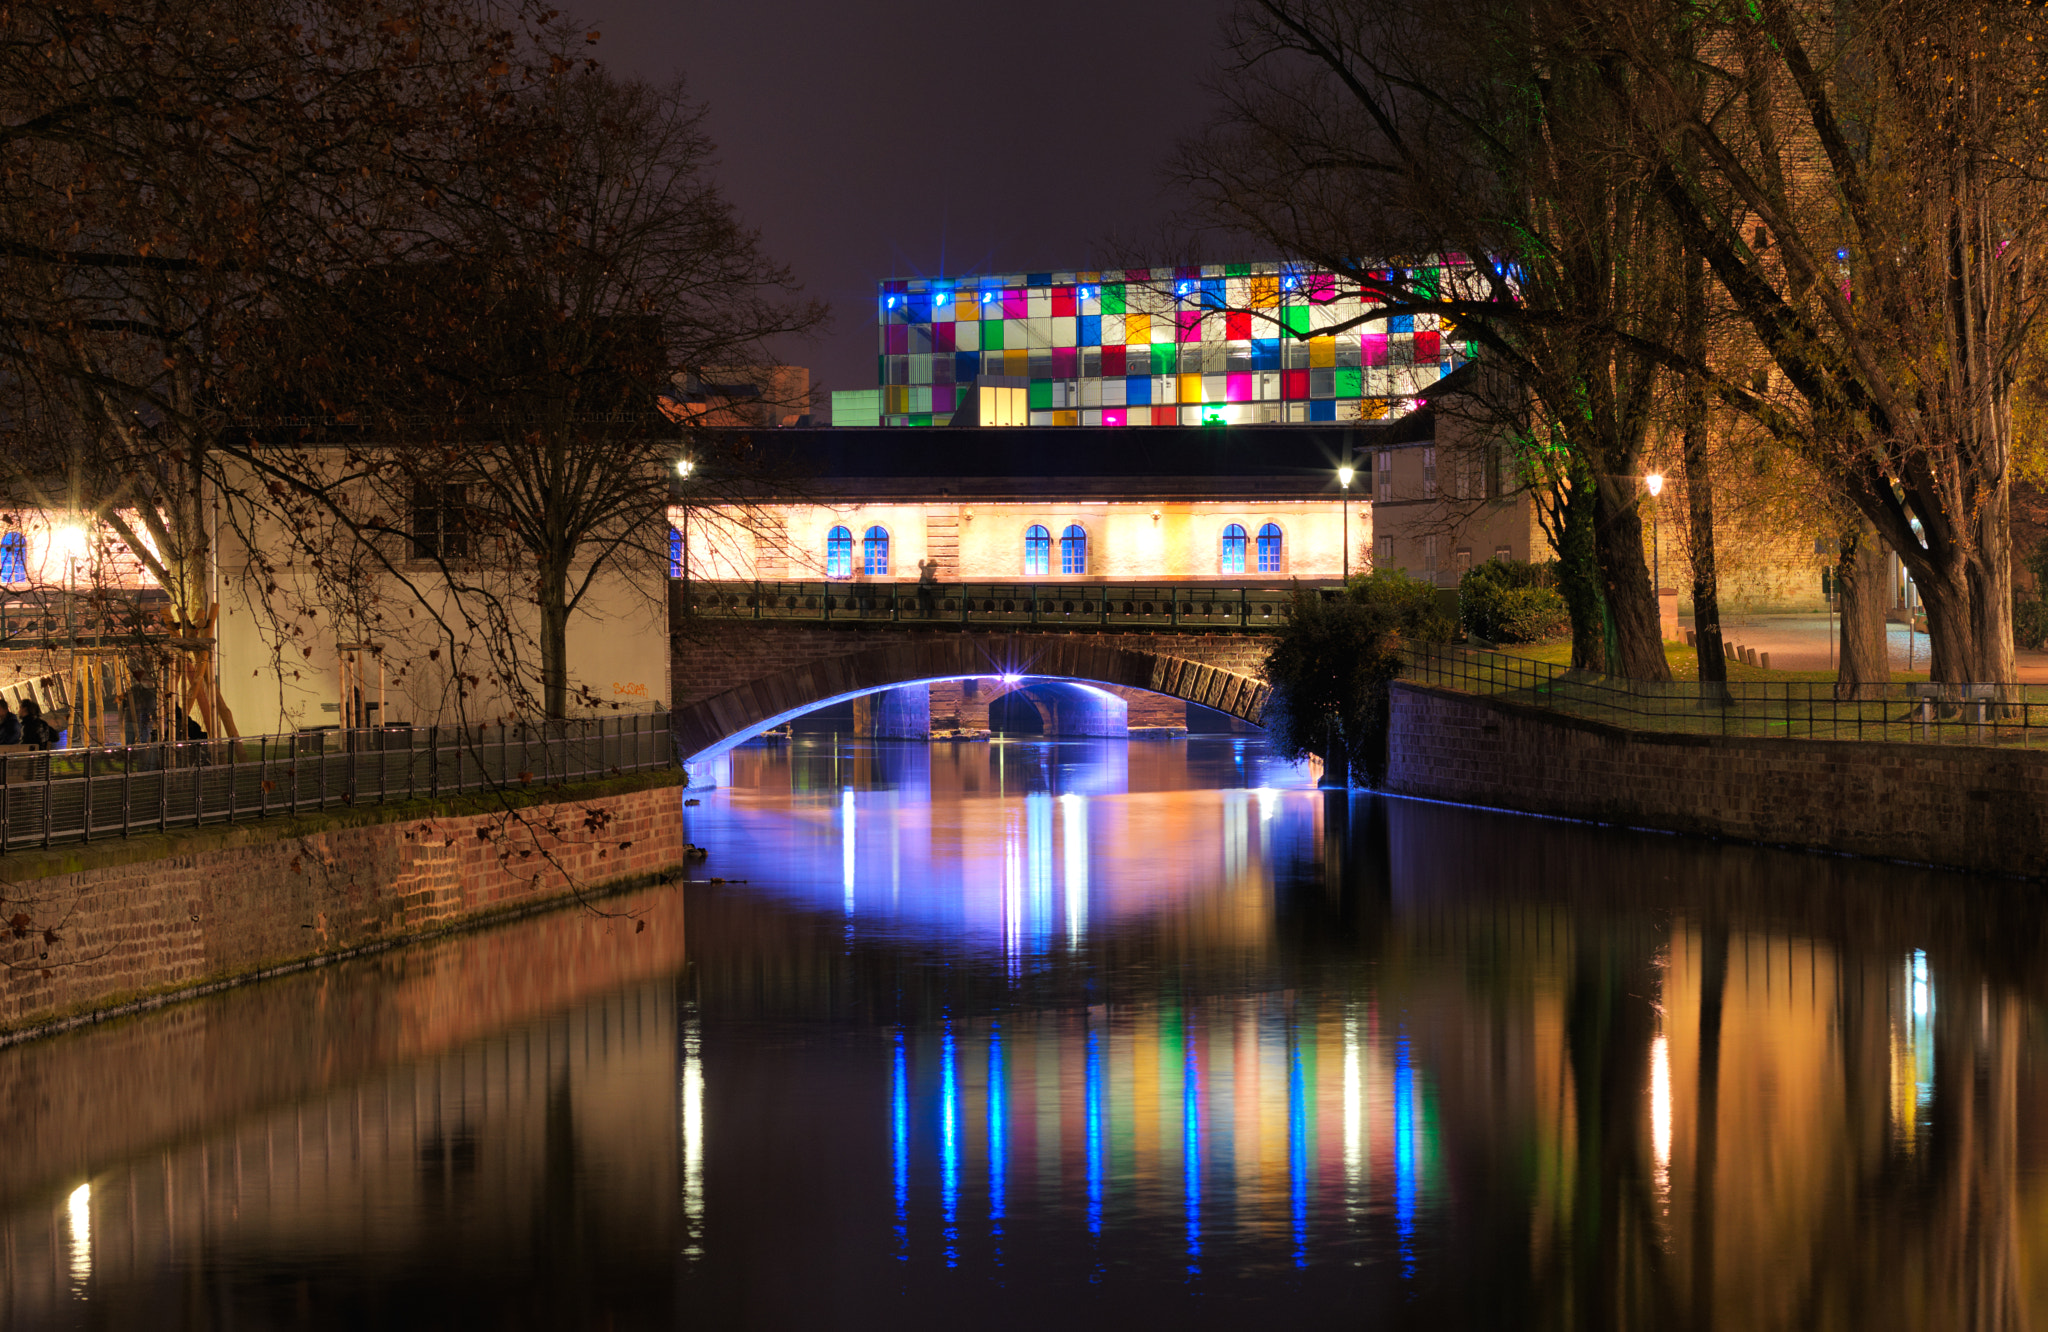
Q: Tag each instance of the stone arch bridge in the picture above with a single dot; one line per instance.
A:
(747, 657)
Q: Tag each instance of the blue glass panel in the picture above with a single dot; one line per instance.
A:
(14, 558)
(1265, 353)
(1233, 549)
(1037, 551)
(1137, 391)
(1074, 550)
(1401, 324)
(1038, 279)
(1323, 409)
(1269, 548)
(966, 365)
(874, 549)
(839, 553)
(1090, 333)
(1212, 293)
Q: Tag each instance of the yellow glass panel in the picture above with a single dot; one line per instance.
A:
(1322, 352)
(1265, 291)
(1190, 388)
(1137, 329)
(1066, 418)
(1017, 363)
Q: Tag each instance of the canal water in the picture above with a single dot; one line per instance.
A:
(1023, 1035)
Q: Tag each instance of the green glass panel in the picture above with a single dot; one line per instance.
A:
(1296, 319)
(991, 335)
(920, 418)
(1041, 395)
(1164, 358)
(1350, 383)
(1237, 270)
(1113, 299)
(1426, 280)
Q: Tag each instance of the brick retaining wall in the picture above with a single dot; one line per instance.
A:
(171, 912)
(1961, 806)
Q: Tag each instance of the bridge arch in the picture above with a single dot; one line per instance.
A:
(712, 725)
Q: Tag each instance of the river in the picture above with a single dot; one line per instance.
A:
(1020, 1033)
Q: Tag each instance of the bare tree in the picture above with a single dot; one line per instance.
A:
(1366, 130)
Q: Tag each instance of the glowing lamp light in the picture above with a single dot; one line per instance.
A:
(1655, 484)
(891, 303)
(1011, 679)
(1344, 475)
(987, 296)
(684, 467)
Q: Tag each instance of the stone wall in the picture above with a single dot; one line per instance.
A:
(102, 924)
(1960, 806)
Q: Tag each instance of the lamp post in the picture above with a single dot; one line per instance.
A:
(1654, 483)
(684, 466)
(1344, 480)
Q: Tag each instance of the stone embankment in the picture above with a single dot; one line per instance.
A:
(95, 928)
(1966, 807)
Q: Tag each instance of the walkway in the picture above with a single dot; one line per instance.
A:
(1805, 643)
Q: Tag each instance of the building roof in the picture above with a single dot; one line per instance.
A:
(1037, 462)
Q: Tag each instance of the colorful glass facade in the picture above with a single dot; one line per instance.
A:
(1231, 343)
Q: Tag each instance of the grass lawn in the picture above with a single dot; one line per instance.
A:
(1685, 663)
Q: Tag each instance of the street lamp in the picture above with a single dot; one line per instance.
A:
(1344, 480)
(1654, 483)
(685, 466)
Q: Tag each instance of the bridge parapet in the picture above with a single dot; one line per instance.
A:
(1250, 606)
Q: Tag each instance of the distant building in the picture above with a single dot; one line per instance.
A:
(758, 397)
(1234, 344)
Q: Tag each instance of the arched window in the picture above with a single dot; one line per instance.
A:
(839, 553)
(1233, 549)
(1269, 548)
(874, 552)
(1037, 551)
(675, 554)
(1074, 550)
(14, 558)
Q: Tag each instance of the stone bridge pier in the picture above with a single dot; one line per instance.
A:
(733, 679)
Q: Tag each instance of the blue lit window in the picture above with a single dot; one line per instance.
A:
(874, 551)
(13, 558)
(839, 553)
(1037, 551)
(1074, 550)
(1269, 548)
(1233, 549)
(675, 554)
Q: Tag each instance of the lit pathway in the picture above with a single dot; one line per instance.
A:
(1804, 643)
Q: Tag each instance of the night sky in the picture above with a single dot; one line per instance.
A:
(871, 140)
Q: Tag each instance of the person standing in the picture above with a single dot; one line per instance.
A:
(10, 725)
(34, 730)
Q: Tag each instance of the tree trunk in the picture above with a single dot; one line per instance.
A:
(1699, 488)
(1625, 581)
(1578, 580)
(1864, 666)
(1990, 575)
(554, 644)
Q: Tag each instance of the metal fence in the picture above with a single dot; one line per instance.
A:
(1257, 606)
(76, 795)
(1803, 709)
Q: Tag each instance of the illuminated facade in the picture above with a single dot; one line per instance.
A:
(1222, 343)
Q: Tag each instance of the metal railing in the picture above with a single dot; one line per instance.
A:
(76, 795)
(1254, 606)
(1910, 711)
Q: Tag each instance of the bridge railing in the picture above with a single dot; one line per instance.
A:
(1253, 606)
(76, 795)
(1904, 711)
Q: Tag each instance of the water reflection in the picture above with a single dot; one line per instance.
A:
(1088, 1033)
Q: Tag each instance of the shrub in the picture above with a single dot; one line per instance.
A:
(1509, 601)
